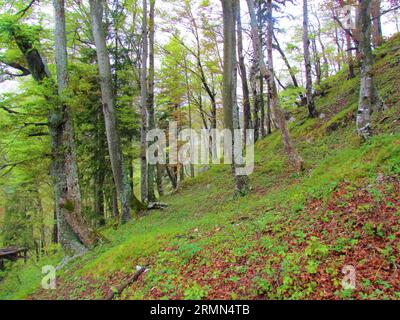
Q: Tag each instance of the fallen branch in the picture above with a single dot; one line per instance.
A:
(38, 134)
(127, 283)
(156, 205)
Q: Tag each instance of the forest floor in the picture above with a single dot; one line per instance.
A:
(288, 239)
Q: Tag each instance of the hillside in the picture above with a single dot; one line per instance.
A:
(288, 239)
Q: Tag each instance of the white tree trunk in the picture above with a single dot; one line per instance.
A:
(367, 98)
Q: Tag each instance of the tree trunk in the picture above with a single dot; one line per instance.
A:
(317, 61)
(55, 223)
(377, 38)
(268, 74)
(262, 106)
(99, 174)
(285, 59)
(350, 60)
(143, 110)
(172, 176)
(231, 114)
(120, 175)
(160, 173)
(349, 54)
(190, 114)
(115, 203)
(367, 97)
(150, 100)
(41, 217)
(325, 65)
(307, 61)
(255, 94)
(243, 76)
(269, 124)
(71, 201)
(260, 82)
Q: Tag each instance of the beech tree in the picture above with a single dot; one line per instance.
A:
(307, 62)
(243, 75)
(120, 175)
(150, 99)
(368, 99)
(70, 215)
(143, 106)
(231, 112)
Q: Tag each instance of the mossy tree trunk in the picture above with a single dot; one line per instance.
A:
(70, 202)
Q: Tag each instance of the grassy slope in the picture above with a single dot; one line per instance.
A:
(289, 238)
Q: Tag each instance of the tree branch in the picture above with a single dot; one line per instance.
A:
(25, 10)
(9, 110)
(38, 134)
(17, 66)
(37, 124)
(388, 10)
(345, 29)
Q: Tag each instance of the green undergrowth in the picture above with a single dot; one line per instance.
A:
(207, 239)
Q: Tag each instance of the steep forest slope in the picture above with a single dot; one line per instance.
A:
(289, 238)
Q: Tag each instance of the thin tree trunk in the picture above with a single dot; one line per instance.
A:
(115, 203)
(262, 106)
(286, 61)
(99, 175)
(55, 223)
(42, 225)
(143, 111)
(338, 48)
(268, 74)
(190, 113)
(269, 126)
(243, 75)
(367, 97)
(307, 61)
(160, 173)
(254, 91)
(350, 60)
(317, 61)
(231, 114)
(325, 67)
(349, 54)
(377, 38)
(120, 175)
(260, 82)
(150, 99)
